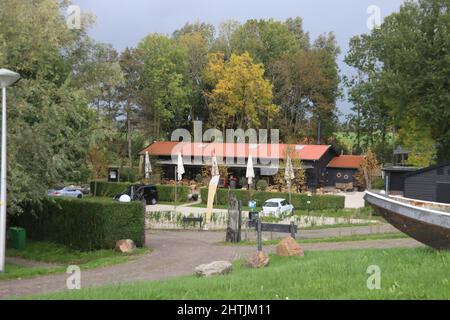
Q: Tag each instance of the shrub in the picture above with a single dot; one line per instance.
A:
(128, 174)
(108, 189)
(262, 185)
(83, 224)
(167, 193)
(199, 178)
(300, 201)
(378, 183)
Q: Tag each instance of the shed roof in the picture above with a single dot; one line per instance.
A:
(238, 150)
(346, 161)
(427, 169)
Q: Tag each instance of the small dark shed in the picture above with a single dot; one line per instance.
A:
(429, 184)
(395, 178)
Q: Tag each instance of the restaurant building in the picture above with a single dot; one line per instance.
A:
(323, 166)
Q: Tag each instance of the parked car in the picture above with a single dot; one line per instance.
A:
(147, 193)
(277, 207)
(65, 192)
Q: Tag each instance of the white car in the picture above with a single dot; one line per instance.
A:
(70, 192)
(277, 207)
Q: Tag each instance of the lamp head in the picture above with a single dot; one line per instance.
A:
(8, 77)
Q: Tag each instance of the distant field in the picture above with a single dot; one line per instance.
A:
(418, 273)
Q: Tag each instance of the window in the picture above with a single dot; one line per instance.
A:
(339, 175)
(284, 203)
(271, 205)
(346, 177)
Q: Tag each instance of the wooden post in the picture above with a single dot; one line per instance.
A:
(292, 229)
(259, 235)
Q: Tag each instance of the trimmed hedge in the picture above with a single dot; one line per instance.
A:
(84, 224)
(300, 201)
(108, 189)
(165, 192)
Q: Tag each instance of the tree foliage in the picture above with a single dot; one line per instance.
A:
(241, 96)
(404, 67)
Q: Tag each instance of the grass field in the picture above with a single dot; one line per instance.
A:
(405, 274)
(62, 257)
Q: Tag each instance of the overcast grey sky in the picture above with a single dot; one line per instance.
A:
(124, 23)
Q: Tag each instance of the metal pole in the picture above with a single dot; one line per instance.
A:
(259, 234)
(3, 186)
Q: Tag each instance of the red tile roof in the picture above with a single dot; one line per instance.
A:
(352, 162)
(238, 150)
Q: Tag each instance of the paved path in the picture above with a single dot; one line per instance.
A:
(175, 254)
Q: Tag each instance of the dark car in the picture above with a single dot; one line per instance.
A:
(147, 193)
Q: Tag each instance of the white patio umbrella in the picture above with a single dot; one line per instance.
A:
(180, 167)
(289, 175)
(214, 167)
(179, 174)
(250, 175)
(148, 166)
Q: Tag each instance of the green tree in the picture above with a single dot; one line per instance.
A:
(164, 94)
(48, 116)
(406, 63)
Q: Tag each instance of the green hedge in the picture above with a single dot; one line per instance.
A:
(108, 189)
(300, 201)
(84, 224)
(165, 192)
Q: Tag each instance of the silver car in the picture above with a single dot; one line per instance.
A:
(66, 192)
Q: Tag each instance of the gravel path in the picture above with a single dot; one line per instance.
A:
(175, 254)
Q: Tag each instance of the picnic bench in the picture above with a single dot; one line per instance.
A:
(189, 220)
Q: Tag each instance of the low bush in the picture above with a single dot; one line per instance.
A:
(300, 201)
(83, 224)
(166, 193)
(378, 183)
(262, 185)
(128, 174)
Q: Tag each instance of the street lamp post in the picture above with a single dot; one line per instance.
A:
(7, 78)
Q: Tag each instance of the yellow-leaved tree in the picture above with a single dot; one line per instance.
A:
(240, 97)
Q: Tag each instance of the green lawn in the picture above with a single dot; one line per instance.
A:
(62, 256)
(381, 236)
(419, 273)
(17, 272)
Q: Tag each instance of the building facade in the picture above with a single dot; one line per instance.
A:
(429, 184)
(315, 159)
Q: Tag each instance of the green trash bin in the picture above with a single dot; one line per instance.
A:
(17, 238)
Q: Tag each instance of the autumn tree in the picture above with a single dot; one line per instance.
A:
(368, 170)
(240, 97)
